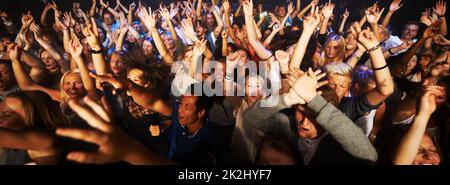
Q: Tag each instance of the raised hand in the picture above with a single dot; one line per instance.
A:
(441, 40)
(248, 7)
(132, 6)
(304, 85)
(36, 30)
(327, 10)
(290, 8)
(314, 2)
(368, 39)
(103, 4)
(14, 51)
(283, 58)
(75, 48)
(224, 34)
(200, 47)
(27, 19)
(345, 14)
(91, 35)
(428, 100)
(374, 16)
(312, 20)
(114, 144)
(226, 5)
(440, 8)
(429, 32)
(164, 12)
(395, 5)
(232, 60)
(148, 17)
(426, 18)
(188, 29)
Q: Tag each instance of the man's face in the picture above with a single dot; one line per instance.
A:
(6, 77)
(341, 84)
(210, 20)
(305, 124)
(410, 31)
(187, 110)
(108, 19)
(282, 11)
(350, 42)
(200, 31)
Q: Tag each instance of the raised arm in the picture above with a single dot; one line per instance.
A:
(47, 8)
(121, 6)
(304, 10)
(309, 26)
(230, 31)
(384, 84)
(149, 19)
(76, 50)
(91, 34)
(130, 12)
(395, 5)
(49, 48)
(372, 17)
(297, 9)
(37, 71)
(218, 28)
(92, 9)
(260, 50)
(410, 143)
(344, 19)
(26, 140)
(439, 10)
(23, 79)
(274, 32)
(165, 14)
(198, 10)
(111, 10)
(327, 12)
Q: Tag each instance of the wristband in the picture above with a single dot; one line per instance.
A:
(100, 51)
(373, 49)
(390, 51)
(380, 68)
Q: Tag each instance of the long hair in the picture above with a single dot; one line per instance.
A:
(341, 49)
(64, 96)
(41, 112)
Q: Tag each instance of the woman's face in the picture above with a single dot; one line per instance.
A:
(85, 46)
(116, 64)
(12, 114)
(428, 153)
(73, 86)
(332, 49)
(253, 89)
(350, 42)
(167, 41)
(137, 77)
(219, 71)
(147, 47)
(49, 62)
(424, 61)
(210, 20)
(411, 64)
(131, 38)
(188, 55)
(243, 56)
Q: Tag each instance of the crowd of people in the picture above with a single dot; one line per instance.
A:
(132, 84)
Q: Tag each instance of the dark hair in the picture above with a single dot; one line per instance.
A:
(203, 102)
(282, 145)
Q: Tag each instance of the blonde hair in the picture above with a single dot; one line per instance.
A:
(342, 69)
(64, 97)
(341, 49)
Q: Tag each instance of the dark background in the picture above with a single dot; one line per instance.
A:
(410, 11)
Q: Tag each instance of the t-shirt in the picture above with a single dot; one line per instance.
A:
(191, 148)
(356, 106)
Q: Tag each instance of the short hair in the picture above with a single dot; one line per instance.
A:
(204, 102)
(342, 69)
(363, 75)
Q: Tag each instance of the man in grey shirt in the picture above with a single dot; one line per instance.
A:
(325, 135)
